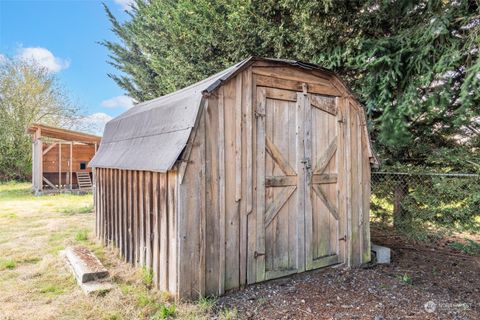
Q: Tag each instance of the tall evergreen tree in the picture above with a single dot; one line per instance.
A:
(414, 64)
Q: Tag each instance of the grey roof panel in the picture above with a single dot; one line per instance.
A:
(151, 135)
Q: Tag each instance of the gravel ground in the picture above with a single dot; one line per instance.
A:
(422, 282)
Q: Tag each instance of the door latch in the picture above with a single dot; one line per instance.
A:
(257, 254)
(306, 162)
(344, 238)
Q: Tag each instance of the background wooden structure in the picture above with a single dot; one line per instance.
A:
(59, 157)
(273, 179)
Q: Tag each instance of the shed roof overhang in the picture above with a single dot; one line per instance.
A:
(63, 134)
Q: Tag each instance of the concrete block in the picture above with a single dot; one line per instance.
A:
(96, 287)
(381, 253)
(85, 264)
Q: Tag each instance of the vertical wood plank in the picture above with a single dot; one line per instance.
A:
(212, 212)
(115, 211)
(163, 263)
(348, 179)
(246, 189)
(260, 218)
(232, 206)
(300, 131)
(110, 206)
(115, 208)
(96, 205)
(172, 231)
(120, 210)
(360, 186)
(332, 189)
(248, 88)
(366, 186)
(238, 137)
(341, 170)
(124, 215)
(252, 216)
(354, 186)
(141, 215)
(148, 220)
(307, 221)
(130, 216)
(155, 229)
(221, 190)
(136, 230)
(202, 220)
(102, 204)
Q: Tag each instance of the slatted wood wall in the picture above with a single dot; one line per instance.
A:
(136, 212)
(196, 227)
(80, 153)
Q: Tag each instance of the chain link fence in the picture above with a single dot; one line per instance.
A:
(426, 200)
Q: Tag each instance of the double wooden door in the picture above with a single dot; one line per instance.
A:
(297, 219)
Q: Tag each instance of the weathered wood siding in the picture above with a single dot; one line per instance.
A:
(79, 153)
(202, 229)
(136, 212)
(358, 185)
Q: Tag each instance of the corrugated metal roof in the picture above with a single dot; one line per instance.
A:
(151, 135)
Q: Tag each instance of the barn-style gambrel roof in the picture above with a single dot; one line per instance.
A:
(152, 135)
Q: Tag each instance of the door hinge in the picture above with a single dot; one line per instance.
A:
(344, 238)
(258, 114)
(257, 254)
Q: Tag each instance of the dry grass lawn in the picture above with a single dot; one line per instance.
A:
(36, 284)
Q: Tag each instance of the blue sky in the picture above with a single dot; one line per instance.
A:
(63, 36)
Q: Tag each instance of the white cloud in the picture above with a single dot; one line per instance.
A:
(126, 4)
(124, 102)
(95, 123)
(3, 58)
(44, 58)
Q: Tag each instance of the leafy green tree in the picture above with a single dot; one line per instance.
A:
(28, 94)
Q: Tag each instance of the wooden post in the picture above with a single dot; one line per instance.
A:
(71, 166)
(38, 161)
(59, 165)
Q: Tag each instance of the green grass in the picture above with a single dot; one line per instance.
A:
(165, 312)
(81, 235)
(7, 264)
(77, 210)
(206, 304)
(51, 290)
(147, 277)
(229, 314)
(406, 278)
(33, 229)
(469, 247)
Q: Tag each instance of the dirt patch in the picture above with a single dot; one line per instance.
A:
(423, 282)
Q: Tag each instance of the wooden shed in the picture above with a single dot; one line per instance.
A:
(258, 172)
(60, 159)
